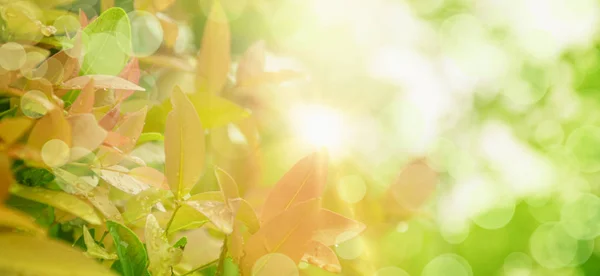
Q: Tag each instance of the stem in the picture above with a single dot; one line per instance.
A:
(171, 219)
(103, 236)
(204, 266)
(221, 264)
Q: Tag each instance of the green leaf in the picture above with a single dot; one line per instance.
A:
(188, 217)
(108, 43)
(18, 220)
(42, 213)
(230, 268)
(150, 137)
(95, 250)
(132, 254)
(141, 204)
(28, 255)
(181, 243)
(60, 200)
(215, 111)
(31, 176)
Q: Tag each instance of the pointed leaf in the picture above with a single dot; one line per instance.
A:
(150, 137)
(93, 249)
(11, 129)
(110, 119)
(119, 178)
(131, 127)
(50, 258)
(245, 214)
(16, 219)
(188, 217)
(60, 200)
(217, 212)
(304, 181)
(150, 176)
(83, 19)
(215, 111)
(100, 199)
(131, 73)
(334, 228)
(141, 204)
(132, 254)
(52, 126)
(323, 257)
(288, 233)
(252, 63)
(214, 56)
(87, 133)
(184, 145)
(85, 101)
(227, 185)
(6, 176)
(161, 255)
(101, 82)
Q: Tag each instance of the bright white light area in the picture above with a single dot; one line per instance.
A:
(319, 126)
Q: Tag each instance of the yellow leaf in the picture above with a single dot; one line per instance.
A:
(60, 200)
(245, 213)
(85, 101)
(16, 219)
(141, 204)
(152, 5)
(184, 145)
(170, 29)
(93, 249)
(322, 256)
(215, 111)
(11, 129)
(52, 126)
(189, 218)
(119, 177)
(333, 228)
(302, 182)
(288, 234)
(6, 176)
(227, 185)
(214, 56)
(99, 198)
(50, 257)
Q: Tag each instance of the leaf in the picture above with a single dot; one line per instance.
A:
(83, 19)
(150, 137)
(74, 184)
(6, 176)
(288, 233)
(131, 127)
(93, 249)
(85, 101)
(252, 63)
(101, 82)
(100, 199)
(110, 119)
(109, 43)
(215, 111)
(141, 204)
(323, 257)
(181, 243)
(170, 29)
(227, 185)
(161, 255)
(51, 257)
(184, 145)
(131, 72)
(334, 228)
(152, 5)
(169, 62)
(217, 212)
(60, 200)
(214, 57)
(52, 126)
(189, 218)
(18, 220)
(119, 178)
(87, 133)
(304, 181)
(11, 129)
(132, 254)
(31, 176)
(150, 176)
(245, 213)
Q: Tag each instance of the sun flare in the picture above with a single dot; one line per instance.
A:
(319, 126)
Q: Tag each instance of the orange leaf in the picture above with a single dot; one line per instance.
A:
(111, 118)
(131, 127)
(131, 72)
(184, 145)
(323, 257)
(217, 212)
(334, 228)
(304, 181)
(252, 63)
(245, 214)
(83, 19)
(170, 29)
(87, 133)
(214, 56)
(114, 139)
(288, 233)
(85, 101)
(150, 176)
(11, 129)
(52, 126)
